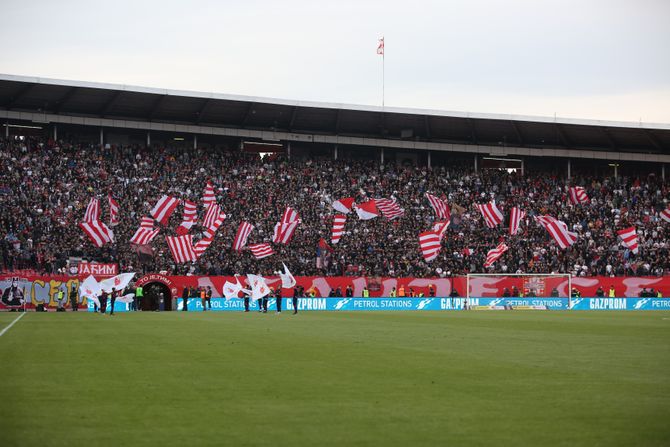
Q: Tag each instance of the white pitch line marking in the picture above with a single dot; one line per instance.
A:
(12, 324)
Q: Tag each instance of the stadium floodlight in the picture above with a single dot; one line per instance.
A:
(529, 285)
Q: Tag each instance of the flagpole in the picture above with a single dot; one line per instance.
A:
(383, 75)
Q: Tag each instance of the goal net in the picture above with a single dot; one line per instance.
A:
(518, 291)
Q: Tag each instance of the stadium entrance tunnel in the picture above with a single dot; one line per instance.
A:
(152, 297)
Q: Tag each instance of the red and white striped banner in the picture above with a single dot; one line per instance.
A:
(389, 208)
(665, 215)
(283, 231)
(113, 211)
(92, 210)
(164, 209)
(429, 241)
(181, 248)
(188, 219)
(441, 227)
(98, 232)
(629, 238)
(338, 227)
(491, 213)
(440, 207)
(212, 229)
(243, 232)
(495, 254)
(213, 211)
(208, 196)
(558, 230)
(261, 251)
(145, 233)
(515, 218)
(578, 195)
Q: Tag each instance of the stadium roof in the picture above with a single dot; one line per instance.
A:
(131, 104)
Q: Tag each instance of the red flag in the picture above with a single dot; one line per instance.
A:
(515, 217)
(578, 195)
(389, 208)
(98, 232)
(261, 251)
(343, 205)
(241, 236)
(495, 254)
(113, 211)
(338, 227)
(491, 213)
(558, 230)
(163, 209)
(181, 248)
(92, 210)
(366, 210)
(629, 238)
(323, 245)
(429, 241)
(440, 207)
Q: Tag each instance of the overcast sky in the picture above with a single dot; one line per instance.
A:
(606, 59)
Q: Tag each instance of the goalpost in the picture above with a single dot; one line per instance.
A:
(528, 285)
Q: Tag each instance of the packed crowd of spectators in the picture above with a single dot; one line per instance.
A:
(45, 187)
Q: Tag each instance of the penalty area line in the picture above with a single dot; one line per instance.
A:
(11, 324)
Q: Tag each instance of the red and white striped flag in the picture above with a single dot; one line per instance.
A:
(366, 210)
(389, 208)
(243, 232)
(283, 231)
(429, 241)
(629, 238)
(578, 195)
(113, 211)
(208, 196)
(558, 230)
(491, 213)
(181, 248)
(92, 210)
(338, 227)
(261, 251)
(495, 254)
(380, 47)
(164, 209)
(213, 211)
(440, 207)
(188, 219)
(212, 229)
(441, 227)
(665, 215)
(97, 232)
(343, 205)
(515, 218)
(145, 233)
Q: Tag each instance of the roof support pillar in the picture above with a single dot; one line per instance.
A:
(476, 170)
(382, 157)
(429, 160)
(288, 150)
(148, 138)
(195, 141)
(335, 152)
(7, 129)
(569, 168)
(55, 132)
(102, 137)
(663, 171)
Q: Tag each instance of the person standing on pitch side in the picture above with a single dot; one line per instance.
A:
(246, 300)
(73, 299)
(278, 299)
(184, 296)
(208, 297)
(296, 294)
(113, 296)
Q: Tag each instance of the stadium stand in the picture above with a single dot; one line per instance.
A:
(45, 186)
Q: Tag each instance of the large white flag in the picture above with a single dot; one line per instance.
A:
(258, 287)
(90, 289)
(118, 282)
(232, 290)
(127, 298)
(287, 279)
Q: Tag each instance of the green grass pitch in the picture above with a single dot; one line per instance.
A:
(331, 379)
